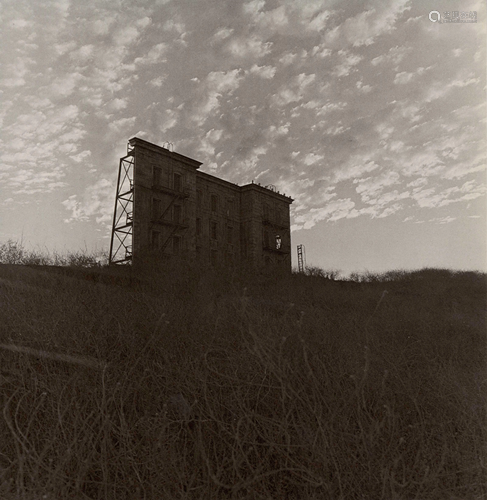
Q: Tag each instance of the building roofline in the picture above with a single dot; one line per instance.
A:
(200, 173)
(137, 141)
(266, 190)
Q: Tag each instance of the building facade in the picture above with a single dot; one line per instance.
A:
(166, 207)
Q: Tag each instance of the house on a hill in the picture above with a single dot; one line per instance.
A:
(165, 206)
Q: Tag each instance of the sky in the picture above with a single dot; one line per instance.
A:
(371, 116)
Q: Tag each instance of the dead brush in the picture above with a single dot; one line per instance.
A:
(136, 392)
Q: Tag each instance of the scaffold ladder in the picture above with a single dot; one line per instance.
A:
(301, 258)
(121, 241)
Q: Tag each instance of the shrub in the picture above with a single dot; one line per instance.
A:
(13, 252)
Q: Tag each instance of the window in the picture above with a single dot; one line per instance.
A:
(176, 214)
(230, 234)
(198, 253)
(278, 215)
(229, 258)
(266, 239)
(229, 209)
(199, 198)
(213, 257)
(155, 239)
(213, 230)
(156, 208)
(214, 203)
(177, 182)
(278, 242)
(198, 227)
(176, 245)
(156, 176)
(266, 211)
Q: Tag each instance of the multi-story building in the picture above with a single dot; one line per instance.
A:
(165, 206)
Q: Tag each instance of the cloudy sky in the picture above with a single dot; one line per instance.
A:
(368, 114)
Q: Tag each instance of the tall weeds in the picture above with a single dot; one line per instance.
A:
(253, 387)
(14, 252)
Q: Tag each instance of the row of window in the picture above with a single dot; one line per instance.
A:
(270, 241)
(175, 245)
(157, 210)
(174, 213)
(213, 231)
(156, 242)
(215, 204)
(270, 213)
(214, 256)
(175, 181)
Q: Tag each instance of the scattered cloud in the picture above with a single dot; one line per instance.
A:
(266, 72)
(365, 27)
(334, 210)
(394, 56)
(312, 158)
(356, 166)
(338, 104)
(294, 91)
(157, 82)
(249, 47)
(288, 58)
(267, 21)
(404, 77)
(370, 187)
(216, 84)
(95, 203)
(154, 55)
(347, 64)
(431, 198)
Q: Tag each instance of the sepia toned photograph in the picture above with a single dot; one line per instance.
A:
(243, 250)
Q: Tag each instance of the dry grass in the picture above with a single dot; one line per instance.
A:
(188, 385)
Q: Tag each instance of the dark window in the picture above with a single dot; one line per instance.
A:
(176, 245)
(278, 242)
(214, 203)
(154, 239)
(266, 211)
(213, 257)
(229, 207)
(229, 258)
(156, 176)
(198, 227)
(213, 230)
(156, 208)
(177, 182)
(278, 215)
(177, 214)
(266, 239)
(229, 234)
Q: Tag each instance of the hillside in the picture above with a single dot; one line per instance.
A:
(178, 383)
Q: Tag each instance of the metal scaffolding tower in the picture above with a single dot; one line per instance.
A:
(121, 242)
(301, 258)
